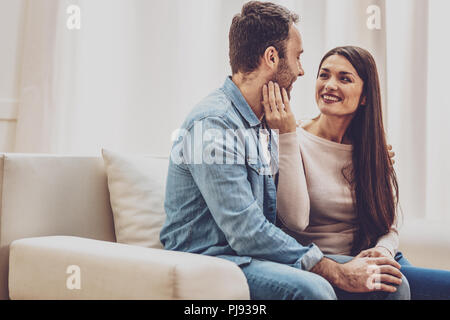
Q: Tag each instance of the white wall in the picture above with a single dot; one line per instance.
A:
(438, 113)
(11, 27)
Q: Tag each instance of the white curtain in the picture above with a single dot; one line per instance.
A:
(128, 77)
(124, 80)
(418, 107)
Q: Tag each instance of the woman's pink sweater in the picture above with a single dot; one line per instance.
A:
(314, 200)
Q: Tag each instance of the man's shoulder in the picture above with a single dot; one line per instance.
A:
(215, 106)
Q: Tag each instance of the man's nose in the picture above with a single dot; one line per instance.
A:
(301, 72)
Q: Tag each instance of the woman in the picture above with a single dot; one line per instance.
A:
(344, 172)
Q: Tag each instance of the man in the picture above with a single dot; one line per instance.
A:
(221, 188)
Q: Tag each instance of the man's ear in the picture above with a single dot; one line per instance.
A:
(270, 58)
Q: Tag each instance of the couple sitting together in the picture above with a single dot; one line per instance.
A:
(313, 212)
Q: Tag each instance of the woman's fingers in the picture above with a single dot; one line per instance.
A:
(272, 100)
(266, 103)
(391, 153)
(370, 253)
(362, 254)
(278, 114)
(376, 254)
(286, 101)
(278, 99)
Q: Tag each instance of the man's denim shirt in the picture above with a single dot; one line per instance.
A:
(226, 208)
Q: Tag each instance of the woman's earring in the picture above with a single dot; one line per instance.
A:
(363, 102)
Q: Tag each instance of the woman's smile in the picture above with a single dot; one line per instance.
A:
(330, 98)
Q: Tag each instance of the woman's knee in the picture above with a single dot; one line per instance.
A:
(403, 291)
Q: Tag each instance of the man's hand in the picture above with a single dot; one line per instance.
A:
(370, 274)
(277, 109)
(361, 274)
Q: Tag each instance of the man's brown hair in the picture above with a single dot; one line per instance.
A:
(259, 26)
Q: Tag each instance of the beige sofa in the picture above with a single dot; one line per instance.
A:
(57, 241)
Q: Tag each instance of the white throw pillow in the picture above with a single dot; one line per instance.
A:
(136, 188)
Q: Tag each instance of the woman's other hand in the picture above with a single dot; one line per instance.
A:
(375, 253)
(277, 109)
(391, 154)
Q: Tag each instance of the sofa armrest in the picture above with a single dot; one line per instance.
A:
(61, 267)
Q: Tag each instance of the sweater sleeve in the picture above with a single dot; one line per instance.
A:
(391, 240)
(292, 194)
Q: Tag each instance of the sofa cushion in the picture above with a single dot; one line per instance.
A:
(136, 187)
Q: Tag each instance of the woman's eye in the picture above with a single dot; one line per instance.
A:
(346, 79)
(322, 75)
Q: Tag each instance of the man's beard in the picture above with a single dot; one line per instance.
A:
(284, 77)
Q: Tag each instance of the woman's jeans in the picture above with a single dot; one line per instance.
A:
(424, 283)
(273, 281)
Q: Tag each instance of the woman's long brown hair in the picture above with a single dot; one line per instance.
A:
(372, 177)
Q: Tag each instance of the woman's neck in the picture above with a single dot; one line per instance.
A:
(331, 128)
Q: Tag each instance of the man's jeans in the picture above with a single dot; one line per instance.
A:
(273, 281)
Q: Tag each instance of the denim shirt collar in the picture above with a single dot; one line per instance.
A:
(236, 97)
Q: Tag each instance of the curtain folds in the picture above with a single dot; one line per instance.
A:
(127, 78)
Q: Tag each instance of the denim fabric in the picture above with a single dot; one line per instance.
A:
(425, 284)
(221, 198)
(273, 281)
